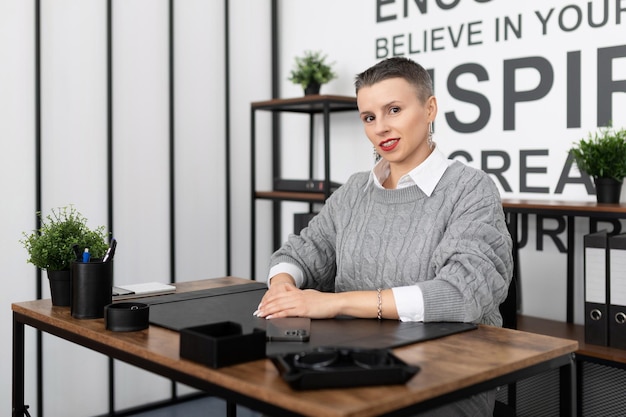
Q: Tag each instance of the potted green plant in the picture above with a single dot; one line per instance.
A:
(63, 236)
(311, 71)
(603, 156)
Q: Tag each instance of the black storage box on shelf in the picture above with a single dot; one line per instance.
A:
(303, 186)
(221, 344)
(342, 367)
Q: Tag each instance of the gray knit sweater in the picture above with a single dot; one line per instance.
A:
(454, 244)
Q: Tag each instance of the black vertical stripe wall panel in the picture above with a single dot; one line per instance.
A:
(109, 87)
(172, 143)
(172, 159)
(37, 121)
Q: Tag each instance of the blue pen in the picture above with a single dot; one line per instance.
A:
(86, 255)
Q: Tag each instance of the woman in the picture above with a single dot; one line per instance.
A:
(419, 238)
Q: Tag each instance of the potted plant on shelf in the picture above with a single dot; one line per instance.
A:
(60, 240)
(603, 156)
(311, 71)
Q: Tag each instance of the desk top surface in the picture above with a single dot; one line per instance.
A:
(447, 364)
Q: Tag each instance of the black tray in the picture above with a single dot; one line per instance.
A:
(330, 367)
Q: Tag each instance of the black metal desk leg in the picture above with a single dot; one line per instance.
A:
(231, 409)
(19, 409)
(571, 248)
(568, 391)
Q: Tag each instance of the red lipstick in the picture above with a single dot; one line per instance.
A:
(389, 144)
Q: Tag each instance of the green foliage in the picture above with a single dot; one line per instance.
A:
(50, 247)
(311, 67)
(603, 154)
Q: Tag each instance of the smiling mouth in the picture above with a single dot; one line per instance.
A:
(389, 144)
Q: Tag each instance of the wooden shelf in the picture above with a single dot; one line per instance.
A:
(565, 208)
(308, 104)
(572, 332)
(290, 196)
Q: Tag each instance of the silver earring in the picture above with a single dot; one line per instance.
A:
(376, 155)
(429, 140)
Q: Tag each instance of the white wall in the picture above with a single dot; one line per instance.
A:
(74, 159)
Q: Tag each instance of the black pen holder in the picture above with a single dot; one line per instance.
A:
(221, 344)
(91, 285)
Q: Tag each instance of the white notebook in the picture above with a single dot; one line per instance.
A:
(123, 292)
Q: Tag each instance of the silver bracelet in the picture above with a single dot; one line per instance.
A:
(379, 314)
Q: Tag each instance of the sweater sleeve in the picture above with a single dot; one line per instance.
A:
(473, 262)
(313, 251)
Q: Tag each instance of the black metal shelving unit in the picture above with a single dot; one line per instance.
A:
(311, 105)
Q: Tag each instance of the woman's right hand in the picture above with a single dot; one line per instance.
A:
(278, 283)
(284, 299)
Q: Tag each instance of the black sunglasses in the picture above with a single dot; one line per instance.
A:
(333, 358)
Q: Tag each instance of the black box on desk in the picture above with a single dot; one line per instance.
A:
(221, 344)
(301, 220)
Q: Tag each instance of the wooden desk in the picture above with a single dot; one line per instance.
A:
(452, 367)
(573, 332)
(570, 210)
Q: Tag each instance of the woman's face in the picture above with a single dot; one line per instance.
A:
(396, 121)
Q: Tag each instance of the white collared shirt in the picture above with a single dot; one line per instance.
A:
(409, 299)
(426, 175)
